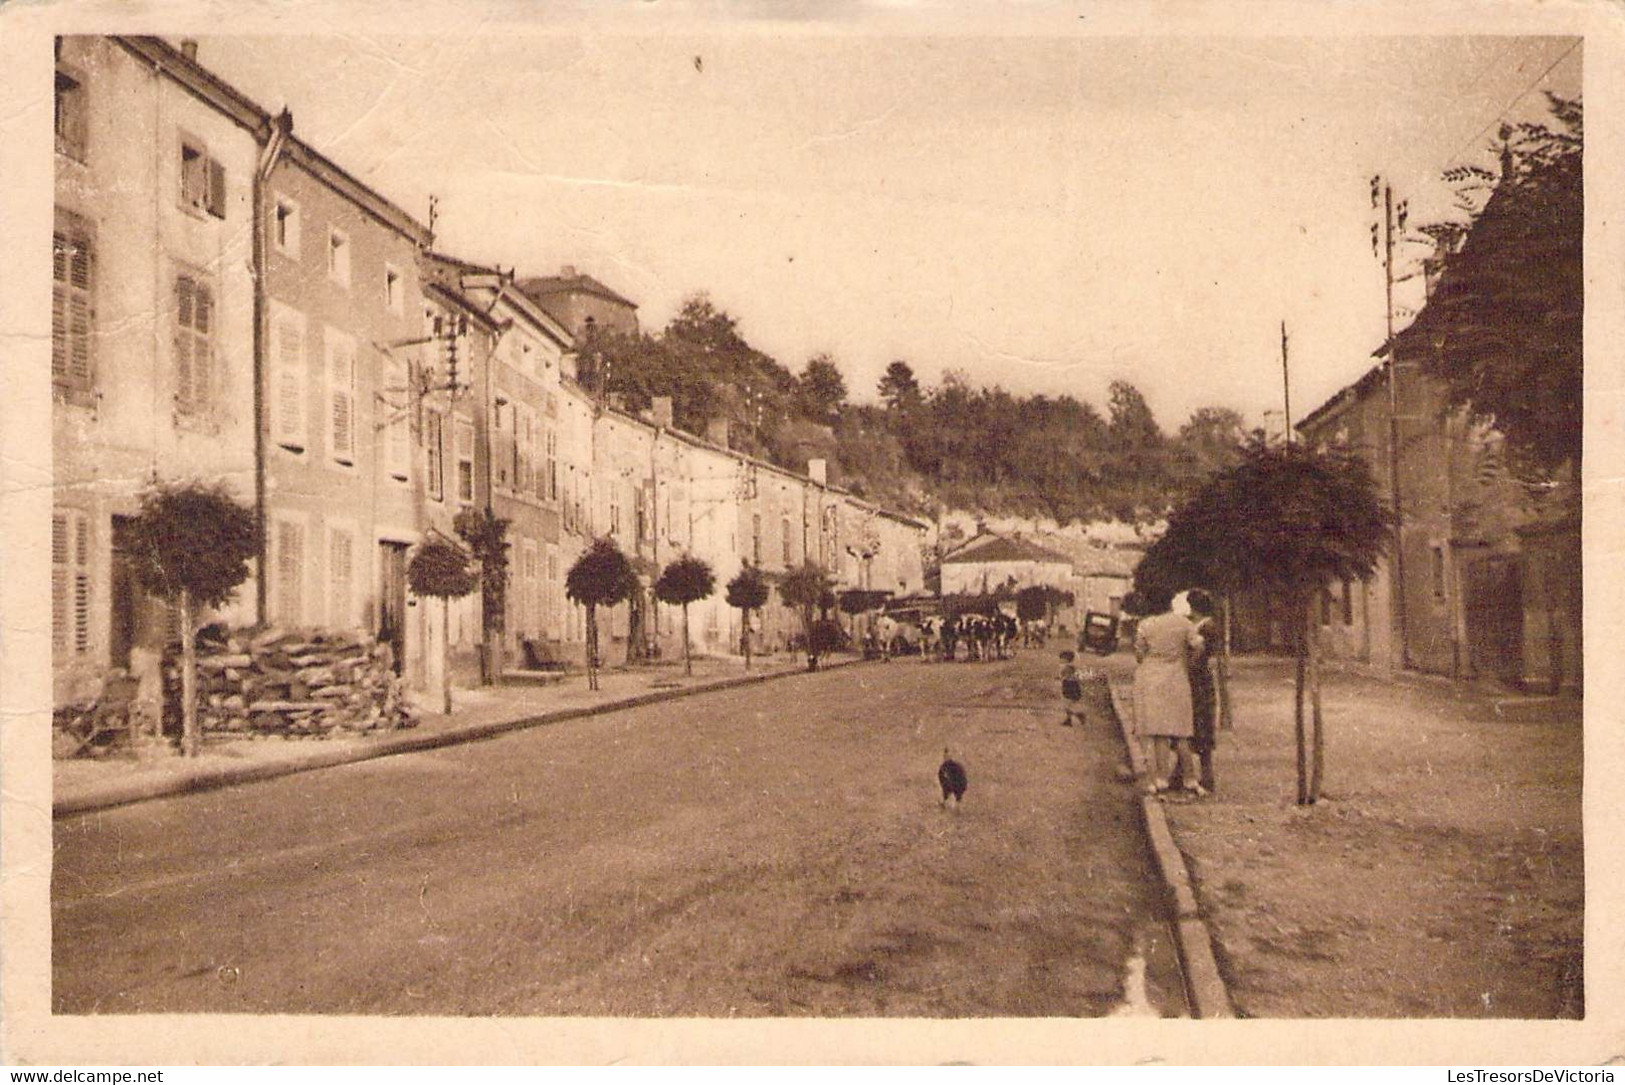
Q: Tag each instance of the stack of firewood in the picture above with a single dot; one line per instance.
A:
(281, 682)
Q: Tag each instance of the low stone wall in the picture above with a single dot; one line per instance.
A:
(296, 682)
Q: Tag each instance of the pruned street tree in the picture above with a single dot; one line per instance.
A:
(808, 590)
(747, 592)
(486, 535)
(685, 580)
(600, 577)
(441, 569)
(191, 544)
(1285, 521)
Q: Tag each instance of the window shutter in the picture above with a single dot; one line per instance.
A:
(217, 189)
(59, 583)
(290, 384)
(341, 391)
(202, 354)
(81, 587)
(61, 304)
(341, 579)
(398, 445)
(183, 342)
(290, 564)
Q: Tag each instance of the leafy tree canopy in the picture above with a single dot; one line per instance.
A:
(748, 589)
(193, 537)
(440, 569)
(1504, 327)
(600, 577)
(685, 580)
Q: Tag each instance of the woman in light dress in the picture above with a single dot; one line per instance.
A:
(1164, 644)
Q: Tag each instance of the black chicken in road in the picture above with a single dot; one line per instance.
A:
(952, 778)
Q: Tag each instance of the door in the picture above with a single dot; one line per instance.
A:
(136, 619)
(392, 600)
(1494, 614)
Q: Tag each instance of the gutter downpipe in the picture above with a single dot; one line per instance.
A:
(281, 127)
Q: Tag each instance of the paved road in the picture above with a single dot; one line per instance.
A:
(775, 850)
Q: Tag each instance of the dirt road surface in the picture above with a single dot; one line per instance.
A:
(773, 850)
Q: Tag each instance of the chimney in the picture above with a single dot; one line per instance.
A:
(716, 431)
(660, 407)
(568, 271)
(818, 471)
(189, 49)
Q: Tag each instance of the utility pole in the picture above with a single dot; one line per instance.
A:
(1380, 188)
(1286, 386)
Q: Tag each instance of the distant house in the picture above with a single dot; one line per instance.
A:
(581, 303)
(988, 562)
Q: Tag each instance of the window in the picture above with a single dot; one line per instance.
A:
(194, 352)
(501, 445)
(785, 527)
(394, 290)
(70, 584)
(71, 115)
(434, 444)
(397, 434)
(338, 257)
(203, 180)
(552, 465)
(1348, 603)
(340, 578)
(340, 397)
(72, 285)
(1438, 572)
(465, 461)
(532, 613)
(288, 563)
(285, 227)
(614, 508)
(756, 539)
(288, 380)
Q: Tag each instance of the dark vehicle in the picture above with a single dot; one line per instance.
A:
(1100, 634)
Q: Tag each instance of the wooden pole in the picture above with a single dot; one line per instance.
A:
(191, 740)
(445, 655)
(1286, 388)
(1317, 760)
(688, 662)
(1297, 704)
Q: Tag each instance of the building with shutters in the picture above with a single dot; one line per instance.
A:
(344, 485)
(152, 327)
(518, 361)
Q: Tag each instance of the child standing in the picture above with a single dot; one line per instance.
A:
(1071, 688)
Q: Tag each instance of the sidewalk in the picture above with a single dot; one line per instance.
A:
(1441, 874)
(86, 784)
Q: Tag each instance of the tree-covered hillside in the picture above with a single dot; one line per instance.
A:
(920, 448)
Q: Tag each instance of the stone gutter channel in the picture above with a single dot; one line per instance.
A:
(140, 791)
(1204, 987)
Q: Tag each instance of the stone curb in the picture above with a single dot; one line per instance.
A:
(1204, 986)
(126, 794)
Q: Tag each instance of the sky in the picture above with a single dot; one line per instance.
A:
(1045, 213)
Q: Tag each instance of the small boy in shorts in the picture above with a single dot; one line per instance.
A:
(1071, 688)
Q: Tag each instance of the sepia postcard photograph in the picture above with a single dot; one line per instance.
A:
(848, 533)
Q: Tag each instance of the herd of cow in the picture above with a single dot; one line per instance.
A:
(984, 636)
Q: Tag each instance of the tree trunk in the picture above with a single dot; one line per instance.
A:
(592, 646)
(1226, 720)
(746, 623)
(1318, 755)
(445, 656)
(1297, 715)
(688, 662)
(191, 740)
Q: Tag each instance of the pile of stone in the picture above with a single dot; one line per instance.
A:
(293, 683)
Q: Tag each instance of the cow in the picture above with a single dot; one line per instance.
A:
(886, 632)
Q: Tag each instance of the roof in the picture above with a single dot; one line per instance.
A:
(1346, 395)
(456, 275)
(990, 548)
(542, 286)
(220, 95)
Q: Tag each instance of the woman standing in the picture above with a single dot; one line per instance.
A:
(1163, 646)
(1204, 703)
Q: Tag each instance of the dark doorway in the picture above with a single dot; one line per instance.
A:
(136, 618)
(392, 600)
(1494, 613)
